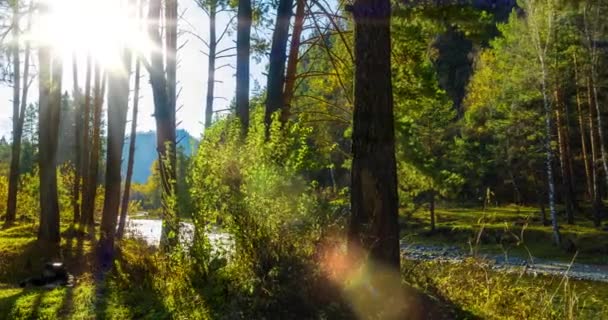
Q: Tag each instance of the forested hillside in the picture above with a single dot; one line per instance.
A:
(369, 159)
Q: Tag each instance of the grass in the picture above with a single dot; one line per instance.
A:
(132, 290)
(145, 284)
(511, 230)
(487, 294)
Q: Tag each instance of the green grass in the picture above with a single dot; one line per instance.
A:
(145, 284)
(134, 289)
(511, 230)
(486, 294)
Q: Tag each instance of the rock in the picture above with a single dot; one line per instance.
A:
(53, 275)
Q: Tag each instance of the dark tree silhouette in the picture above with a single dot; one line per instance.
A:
(374, 201)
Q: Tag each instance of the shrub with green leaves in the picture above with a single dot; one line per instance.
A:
(254, 188)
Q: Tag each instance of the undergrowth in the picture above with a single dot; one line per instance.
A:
(489, 294)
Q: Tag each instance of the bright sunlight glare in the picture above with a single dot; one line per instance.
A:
(100, 28)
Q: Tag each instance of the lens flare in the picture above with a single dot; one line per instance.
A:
(373, 290)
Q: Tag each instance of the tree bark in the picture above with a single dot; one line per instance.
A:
(22, 111)
(593, 51)
(600, 129)
(596, 202)
(89, 209)
(549, 154)
(49, 103)
(243, 38)
(292, 61)
(78, 143)
(84, 165)
(118, 105)
(583, 134)
(127, 192)
(374, 200)
(211, 65)
(13, 181)
(540, 198)
(163, 91)
(563, 159)
(276, 63)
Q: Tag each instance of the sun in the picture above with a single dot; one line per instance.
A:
(100, 28)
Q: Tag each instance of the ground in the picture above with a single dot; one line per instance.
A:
(512, 230)
(143, 285)
(128, 292)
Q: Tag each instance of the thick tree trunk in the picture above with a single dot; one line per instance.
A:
(292, 61)
(13, 180)
(118, 105)
(374, 200)
(276, 63)
(84, 165)
(131, 160)
(596, 202)
(563, 160)
(549, 155)
(583, 134)
(49, 103)
(163, 91)
(78, 142)
(211, 66)
(243, 37)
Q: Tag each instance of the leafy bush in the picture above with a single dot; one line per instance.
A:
(28, 197)
(254, 189)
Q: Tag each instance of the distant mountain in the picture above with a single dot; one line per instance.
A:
(145, 152)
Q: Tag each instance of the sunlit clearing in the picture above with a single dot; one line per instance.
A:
(373, 290)
(100, 28)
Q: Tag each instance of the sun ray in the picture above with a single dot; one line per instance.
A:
(101, 28)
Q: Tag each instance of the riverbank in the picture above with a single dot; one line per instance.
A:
(504, 263)
(487, 293)
(146, 284)
(512, 231)
(150, 231)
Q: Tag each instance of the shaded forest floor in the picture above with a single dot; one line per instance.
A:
(143, 285)
(135, 289)
(511, 230)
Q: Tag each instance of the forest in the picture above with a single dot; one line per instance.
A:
(307, 159)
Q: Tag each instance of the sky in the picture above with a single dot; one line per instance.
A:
(191, 77)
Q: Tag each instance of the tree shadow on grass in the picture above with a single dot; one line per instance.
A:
(19, 264)
(434, 307)
(77, 263)
(129, 285)
(26, 257)
(10, 306)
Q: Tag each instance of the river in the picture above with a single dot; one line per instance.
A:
(150, 231)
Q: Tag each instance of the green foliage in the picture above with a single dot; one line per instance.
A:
(425, 128)
(253, 188)
(149, 193)
(28, 197)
